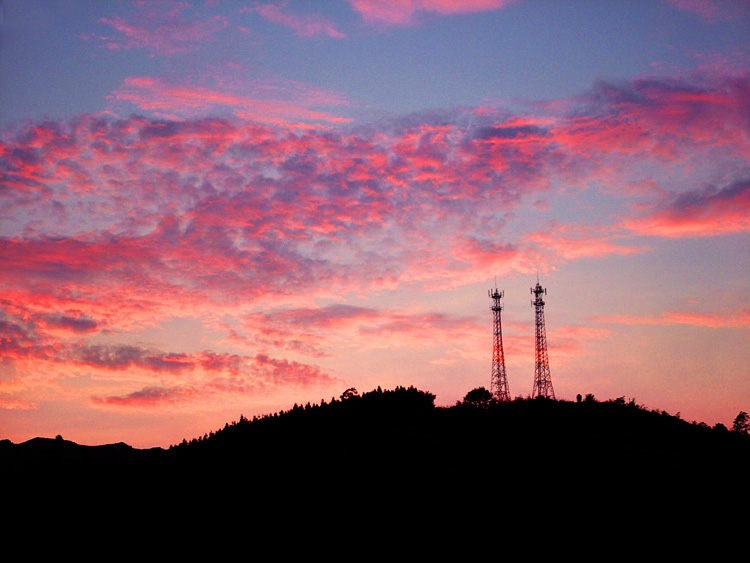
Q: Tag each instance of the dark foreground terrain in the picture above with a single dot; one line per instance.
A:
(398, 435)
(395, 453)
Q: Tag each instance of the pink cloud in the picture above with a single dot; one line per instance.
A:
(260, 373)
(670, 118)
(160, 27)
(42, 354)
(20, 339)
(148, 398)
(75, 322)
(707, 212)
(113, 229)
(284, 372)
(568, 343)
(314, 331)
(739, 319)
(304, 25)
(203, 211)
(467, 259)
(111, 225)
(710, 10)
(402, 12)
(126, 357)
(17, 404)
(273, 102)
(571, 242)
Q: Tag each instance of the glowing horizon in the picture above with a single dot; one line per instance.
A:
(211, 210)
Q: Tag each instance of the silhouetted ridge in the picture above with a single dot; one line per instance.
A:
(387, 439)
(398, 440)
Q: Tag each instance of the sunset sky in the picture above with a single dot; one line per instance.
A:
(219, 208)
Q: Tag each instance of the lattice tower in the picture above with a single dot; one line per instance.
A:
(542, 379)
(499, 381)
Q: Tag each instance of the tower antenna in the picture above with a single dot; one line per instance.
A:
(542, 379)
(499, 381)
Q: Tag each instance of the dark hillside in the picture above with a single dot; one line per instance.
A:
(397, 442)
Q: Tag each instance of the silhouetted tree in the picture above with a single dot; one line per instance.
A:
(349, 393)
(479, 397)
(741, 423)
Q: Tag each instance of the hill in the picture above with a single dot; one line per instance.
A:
(396, 444)
(401, 433)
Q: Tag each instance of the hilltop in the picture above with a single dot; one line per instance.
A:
(399, 439)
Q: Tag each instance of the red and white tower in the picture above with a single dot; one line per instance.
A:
(499, 381)
(542, 380)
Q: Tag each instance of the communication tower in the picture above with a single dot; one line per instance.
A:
(542, 380)
(499, 381)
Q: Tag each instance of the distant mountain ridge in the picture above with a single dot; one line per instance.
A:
(57, 449)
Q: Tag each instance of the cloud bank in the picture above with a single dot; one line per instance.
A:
(112, 225)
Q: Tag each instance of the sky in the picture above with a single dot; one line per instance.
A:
(211, 209)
